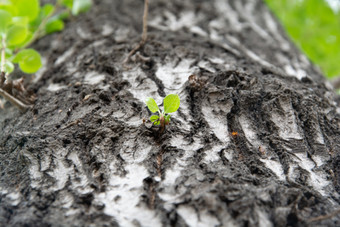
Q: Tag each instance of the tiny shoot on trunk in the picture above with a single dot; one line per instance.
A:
(171, 104)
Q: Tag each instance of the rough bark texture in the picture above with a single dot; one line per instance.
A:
(254, 143)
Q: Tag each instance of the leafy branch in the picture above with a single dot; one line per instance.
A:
(22, 22)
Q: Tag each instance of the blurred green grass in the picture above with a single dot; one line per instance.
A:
(315, 28)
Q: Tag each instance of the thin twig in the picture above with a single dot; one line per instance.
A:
(144, 35)
(145, 21)
(22, 106)
(324, 217)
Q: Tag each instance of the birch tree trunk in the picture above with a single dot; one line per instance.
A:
(255, 142)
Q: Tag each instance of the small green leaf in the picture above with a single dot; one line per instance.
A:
(5, 20)
(152, 105)
(80, 6)
(171, 103)
(23, 21)
(16, 34)
(8, 53)
(29, 60)
(28, 8)
(9, 7)
(154, 118)
(66, 3)
(64, 15)
(47, 10)
(29, 37)
(54, 25)
(167, 119)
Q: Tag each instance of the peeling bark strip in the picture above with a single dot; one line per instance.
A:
(255, 142)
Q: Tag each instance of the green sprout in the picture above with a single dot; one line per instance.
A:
(171, 104)
(22, 22)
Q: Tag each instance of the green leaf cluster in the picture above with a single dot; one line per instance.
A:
(315, 28)
(171, 104)
(74, 7)
(16, 17)
(24, 21)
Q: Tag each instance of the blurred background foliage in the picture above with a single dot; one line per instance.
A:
(314, 25)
